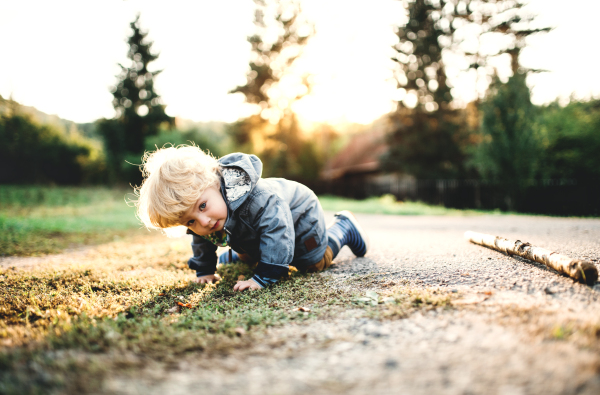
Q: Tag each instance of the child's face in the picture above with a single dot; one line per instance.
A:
(208, 215)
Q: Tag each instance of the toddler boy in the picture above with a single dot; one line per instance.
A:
(272, 222)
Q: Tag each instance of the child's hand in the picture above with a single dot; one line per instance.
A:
(208, 279)
(244, 285)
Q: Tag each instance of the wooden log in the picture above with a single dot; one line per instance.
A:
(582, 271)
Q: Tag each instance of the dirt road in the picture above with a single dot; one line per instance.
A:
(516, 327)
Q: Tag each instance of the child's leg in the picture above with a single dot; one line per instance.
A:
(345, 230)
(229, 256)
(232, 256)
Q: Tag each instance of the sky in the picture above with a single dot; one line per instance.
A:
(61, 56)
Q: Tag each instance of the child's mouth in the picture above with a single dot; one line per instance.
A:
(215, 225)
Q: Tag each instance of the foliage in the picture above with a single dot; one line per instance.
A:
(470, 26)
(570, 140)
(139, 112)
(503, 21)
(206, 139)
(38, 220)
(425, 141)
(421, 71)
(509, 151)
(438, 29)
(64, 126)
(272, 86)
(40, 153)
(427, 145)
(429, 139)
(272, 60)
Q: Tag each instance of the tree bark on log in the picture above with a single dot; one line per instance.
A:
(582, 271)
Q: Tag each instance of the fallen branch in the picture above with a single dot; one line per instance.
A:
(582, 271)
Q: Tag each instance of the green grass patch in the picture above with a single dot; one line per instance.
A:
(387, 204)
(40, 220)
(62, 328)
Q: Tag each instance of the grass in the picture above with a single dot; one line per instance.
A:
(135, 298)
(42, 220)
(38, 220)
(131, 302)
(387, 204)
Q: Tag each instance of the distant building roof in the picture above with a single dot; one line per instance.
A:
(361, 155)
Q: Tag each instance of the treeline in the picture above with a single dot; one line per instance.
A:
(501, 138)
(31, 152)
(37, 148)
(520, 146)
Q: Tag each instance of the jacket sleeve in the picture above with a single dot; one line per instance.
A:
(204, 260)
(272, 219)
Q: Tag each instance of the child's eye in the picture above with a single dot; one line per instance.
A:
(202, 206)
(190, 222)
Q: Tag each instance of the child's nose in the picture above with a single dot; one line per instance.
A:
(205, 221)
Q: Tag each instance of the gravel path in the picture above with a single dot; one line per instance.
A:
(496, 342)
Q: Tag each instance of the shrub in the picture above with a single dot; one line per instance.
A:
(33, 153)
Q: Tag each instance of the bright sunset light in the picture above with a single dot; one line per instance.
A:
(62, 56)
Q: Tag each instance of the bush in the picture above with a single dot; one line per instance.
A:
(33, 153)
(205, 139)
(571, 140)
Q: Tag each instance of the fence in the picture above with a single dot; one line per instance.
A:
(554, 196)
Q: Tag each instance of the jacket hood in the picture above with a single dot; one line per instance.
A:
(240, 174)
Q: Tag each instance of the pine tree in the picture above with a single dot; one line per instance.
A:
(282, 32)
(426, 141)
(421, 70)
(505, 18)
(139, 112)
(509, 152)
(429, 140)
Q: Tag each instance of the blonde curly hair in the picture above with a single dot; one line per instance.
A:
(174, 179)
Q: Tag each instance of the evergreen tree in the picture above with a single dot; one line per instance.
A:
(426, 140)
(509, 152)
(273, 132)
(421, 70)
(139, 112)
(506, 18)
(430, 139)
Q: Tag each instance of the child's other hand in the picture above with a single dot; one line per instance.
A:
(208, 279)
(244, 285)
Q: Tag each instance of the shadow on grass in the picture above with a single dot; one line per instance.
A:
(78, 350)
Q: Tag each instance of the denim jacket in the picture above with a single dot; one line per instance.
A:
(275, 221)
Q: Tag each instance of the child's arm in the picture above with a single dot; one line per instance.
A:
(273, 220)
(204, 260)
